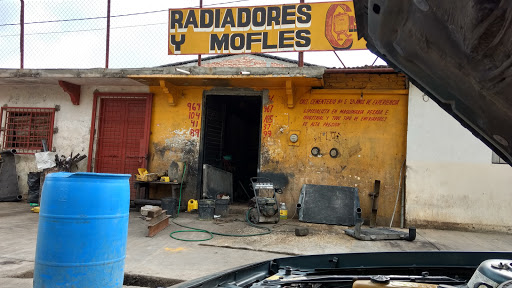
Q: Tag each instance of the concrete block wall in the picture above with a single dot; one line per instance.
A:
(365, 81)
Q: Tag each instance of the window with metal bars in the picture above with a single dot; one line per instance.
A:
(25, 129)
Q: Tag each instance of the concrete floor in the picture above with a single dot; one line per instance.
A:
(162, 256)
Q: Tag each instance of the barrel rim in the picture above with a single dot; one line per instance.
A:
(86, 174)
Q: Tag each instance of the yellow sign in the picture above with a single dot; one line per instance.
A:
(263, 29)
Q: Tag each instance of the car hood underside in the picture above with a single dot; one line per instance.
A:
(459, 53)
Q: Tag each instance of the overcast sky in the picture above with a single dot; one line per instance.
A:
(136, 40)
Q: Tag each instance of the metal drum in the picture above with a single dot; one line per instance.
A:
(83, 226)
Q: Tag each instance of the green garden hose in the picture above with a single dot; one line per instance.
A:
(195, 230)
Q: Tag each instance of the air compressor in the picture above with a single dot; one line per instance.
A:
(265, 209)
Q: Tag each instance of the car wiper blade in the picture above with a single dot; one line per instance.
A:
(351, 278)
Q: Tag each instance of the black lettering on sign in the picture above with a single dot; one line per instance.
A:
(285, 42)
(243, 19)
(229, 19)
(251, 39)
(191, 20)
(304, 13)
(176, 20)
(217, 20)
(218, 44)
(177, 43)
(294, 19)
(265, 46)
(303, 42)
(205, 20)
(237, 43)
(287, 12)
(259, 18)
(274, 17)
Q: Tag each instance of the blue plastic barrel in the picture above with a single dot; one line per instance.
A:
(83, 226)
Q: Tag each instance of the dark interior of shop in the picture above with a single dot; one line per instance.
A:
(231, 139)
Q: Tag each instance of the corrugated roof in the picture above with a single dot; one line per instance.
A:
(229, 55)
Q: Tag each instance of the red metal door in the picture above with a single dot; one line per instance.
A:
(122, 144)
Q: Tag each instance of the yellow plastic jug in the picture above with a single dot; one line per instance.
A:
(283, 211)
(192, 205)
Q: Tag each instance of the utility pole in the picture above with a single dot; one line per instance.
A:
(108, 35)
(22, 33)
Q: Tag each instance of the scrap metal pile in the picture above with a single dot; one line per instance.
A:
(66, 163)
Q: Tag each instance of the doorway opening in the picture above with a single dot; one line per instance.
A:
(230, 140)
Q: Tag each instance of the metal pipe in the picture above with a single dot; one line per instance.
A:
(358, 70)
(45, 145)
(375, 60)
(147, 202)
(13, 151)
(359, 222)
(93, 131)
(339, 59)
(108, 36)
(397, 193)
(19, 197)
(22, 33)
(301, 54)
(402, 212)
(199, 56)
(375, 203)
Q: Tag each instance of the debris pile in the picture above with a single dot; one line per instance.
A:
(66, 163)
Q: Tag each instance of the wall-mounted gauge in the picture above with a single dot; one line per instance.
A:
(294, 138)
(315, 151)
(334, 153)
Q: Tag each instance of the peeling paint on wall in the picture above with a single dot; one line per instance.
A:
(368, 131)
(368, 134)
(175, 132)
(73, 121)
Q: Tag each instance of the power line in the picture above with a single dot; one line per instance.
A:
(88, 18)
(114, 16)
(84, 30)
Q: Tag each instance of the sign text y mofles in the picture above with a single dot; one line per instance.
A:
(261, 29)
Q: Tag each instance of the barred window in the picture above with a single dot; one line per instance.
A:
(24, 129)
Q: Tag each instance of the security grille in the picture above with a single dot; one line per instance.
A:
(24, 129)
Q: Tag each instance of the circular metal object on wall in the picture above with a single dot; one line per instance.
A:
(294, 138)
(315, 151)
(334, 153)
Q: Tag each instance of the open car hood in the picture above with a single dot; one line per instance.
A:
(459, 53)
(453, 269)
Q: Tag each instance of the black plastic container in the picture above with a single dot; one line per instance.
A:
(222, 207)
(206, 209)
(171, 205)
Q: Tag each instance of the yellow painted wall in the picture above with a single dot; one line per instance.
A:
(369, 131)
(371, 144)
(175, 136)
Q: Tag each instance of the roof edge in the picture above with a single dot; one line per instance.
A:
(360, 70)
(313, 72)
